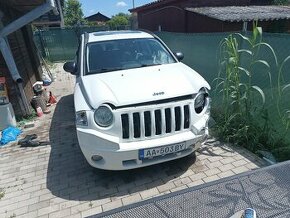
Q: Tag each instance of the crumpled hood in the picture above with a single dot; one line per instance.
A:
(141, 85)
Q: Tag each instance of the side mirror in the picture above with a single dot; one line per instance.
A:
(179, 56)
(70, 67)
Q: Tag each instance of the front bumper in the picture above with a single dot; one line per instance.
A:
(125, 155)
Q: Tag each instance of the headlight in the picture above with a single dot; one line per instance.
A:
(81, 118)
(103, 116)
(200, 101)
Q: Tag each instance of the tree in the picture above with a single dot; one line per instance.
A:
(73, 14)
(281, 2)
(118, 20)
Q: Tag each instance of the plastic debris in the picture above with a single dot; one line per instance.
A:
(52, 98)
(9, 134)
(268, 156)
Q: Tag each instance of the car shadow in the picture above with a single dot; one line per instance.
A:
(69, 176)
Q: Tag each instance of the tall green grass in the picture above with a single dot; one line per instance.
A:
(242, 114)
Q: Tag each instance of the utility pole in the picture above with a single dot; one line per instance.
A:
(133, 3)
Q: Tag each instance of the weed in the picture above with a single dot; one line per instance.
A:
(244, 117)
(2, 193)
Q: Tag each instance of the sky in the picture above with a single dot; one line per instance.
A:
(109, 7)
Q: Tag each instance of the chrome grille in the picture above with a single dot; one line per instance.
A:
(155, 122)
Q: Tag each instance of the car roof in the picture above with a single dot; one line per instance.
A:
(115, 35)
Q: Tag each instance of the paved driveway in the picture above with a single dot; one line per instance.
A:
(56, 181)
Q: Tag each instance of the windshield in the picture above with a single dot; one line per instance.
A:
(124, 54)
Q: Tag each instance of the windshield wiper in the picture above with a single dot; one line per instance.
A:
(148, 65)
(104, 70)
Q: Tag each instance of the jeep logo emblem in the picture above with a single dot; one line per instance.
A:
(158, 93)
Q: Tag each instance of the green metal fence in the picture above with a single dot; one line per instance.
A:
(201, 51)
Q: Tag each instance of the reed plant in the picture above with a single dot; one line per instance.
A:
(241, 112)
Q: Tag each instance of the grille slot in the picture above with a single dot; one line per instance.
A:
(137, 124)
(177, 118)
(125, 125)
(158, 123)
(155, 122)
(147, 123)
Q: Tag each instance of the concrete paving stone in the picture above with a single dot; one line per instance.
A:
(60, 213)
(238, 157)
(195, 183)
(198, 176)
(166, 187)
(43, 216)
(214, 164)
(226, 167)
(164, 193)
(185, 180)
(131, 199)
(239, 163)
(108, 192)
(119, 195)
(39, 193)
(227, 160)
(78, 215)
(126, 186)
(38, 205)
(19, 196)
(149, 193)
(137, 189)
(198, 169)
(57, 201)
(99, 202)
(32, 214)
(211, 178)
(177, 182)
(47, 196)
(142, 181)
(79, 193)
(215, 158)
(68, 204)
(92, 211)
(81, 207)
(47, 210)
(189, 172)
(10, 206)
(251, 166)
(240, 169)
(178, 188)
(212, 172)
(20, 211)
(112, 205)
(226, 174)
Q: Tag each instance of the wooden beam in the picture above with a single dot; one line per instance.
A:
(27, 18)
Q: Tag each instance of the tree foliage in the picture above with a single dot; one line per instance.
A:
(73, 14)
(281, 2)
(118, 20)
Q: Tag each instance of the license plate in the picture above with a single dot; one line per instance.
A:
(161, 151)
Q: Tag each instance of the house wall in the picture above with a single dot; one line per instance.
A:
(27, 62)
(172, 17)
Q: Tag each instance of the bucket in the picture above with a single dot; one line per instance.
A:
(7, 116)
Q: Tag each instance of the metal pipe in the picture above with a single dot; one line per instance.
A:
(60, 13)
(8, 57)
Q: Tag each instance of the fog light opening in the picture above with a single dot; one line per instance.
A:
(97, 157)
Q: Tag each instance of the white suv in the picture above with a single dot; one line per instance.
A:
(136, 104)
